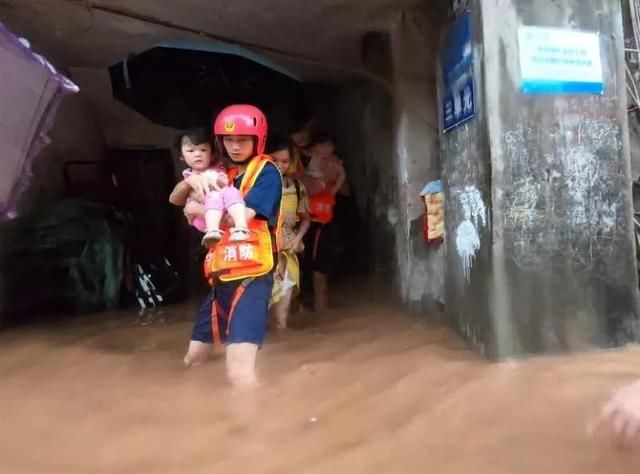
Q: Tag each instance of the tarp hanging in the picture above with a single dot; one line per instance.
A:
(30, 94)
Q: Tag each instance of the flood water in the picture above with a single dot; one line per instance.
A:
(365, 390)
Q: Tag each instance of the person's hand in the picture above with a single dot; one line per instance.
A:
(211, 183)
(200, 186)
(223, 180)
(194, 209)
(620, 417)
(296, 245)
(285, 246)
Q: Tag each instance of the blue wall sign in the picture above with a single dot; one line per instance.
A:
(458, 101)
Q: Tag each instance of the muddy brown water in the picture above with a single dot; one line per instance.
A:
(365, 390)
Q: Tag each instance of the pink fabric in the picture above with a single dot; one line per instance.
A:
(199, 223)
(217, 200)
(212, 172)
(223, 200)
(29, 96)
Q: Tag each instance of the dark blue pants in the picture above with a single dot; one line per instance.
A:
(250, 318)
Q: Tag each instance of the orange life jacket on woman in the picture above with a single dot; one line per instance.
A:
(321, 207)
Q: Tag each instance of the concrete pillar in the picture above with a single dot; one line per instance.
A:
(539, 210)
(416, 157)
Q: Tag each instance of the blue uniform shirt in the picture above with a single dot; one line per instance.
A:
(265, 195)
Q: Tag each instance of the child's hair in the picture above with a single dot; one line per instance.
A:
(194, 136)
(320, 138)
(300, 122)
(278, 143)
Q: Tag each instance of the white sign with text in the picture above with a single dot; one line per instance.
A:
(560, 61)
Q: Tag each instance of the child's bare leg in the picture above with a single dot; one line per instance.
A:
(234, 205)
(294, 307)
(197, 353)
(238, 213)
(240, 231)
(275, 314)
(241, 365)
(213, 215)
(320, 291)
(280, 310)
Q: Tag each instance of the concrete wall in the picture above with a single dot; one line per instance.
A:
(421, 267)
(634, 116)
(85, 125)
(387, 137)
(363, 131)
(467, 183)
(556, 269)
(634, 143)
(74, 136)
(359, 115)
(121, 126)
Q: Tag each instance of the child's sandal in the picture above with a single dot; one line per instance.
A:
(238, 234)
(211, 238)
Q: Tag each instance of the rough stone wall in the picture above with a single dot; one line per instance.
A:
(555, 270)
(363, 131)
(121, 126)
(74, 136)
(634, 144)
(414, 46)
(360, 117)
(634, 116)
(467, 185)
(569, 246)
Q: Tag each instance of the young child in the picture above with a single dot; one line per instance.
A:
(204, 210)
(325, 172)
(295, 224)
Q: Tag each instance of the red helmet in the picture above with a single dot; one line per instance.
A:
(242, 120)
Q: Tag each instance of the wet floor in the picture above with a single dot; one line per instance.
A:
(366, 390)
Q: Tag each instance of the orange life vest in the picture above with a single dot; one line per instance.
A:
(232, 261)
(321, 207)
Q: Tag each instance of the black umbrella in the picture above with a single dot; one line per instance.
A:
(184, 85)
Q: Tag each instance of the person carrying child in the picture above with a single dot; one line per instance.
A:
(300, 136)
(295, 223)
(236, 311)
(205, 207)
(324, 177)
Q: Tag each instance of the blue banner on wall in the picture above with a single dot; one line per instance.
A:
(458, 101)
